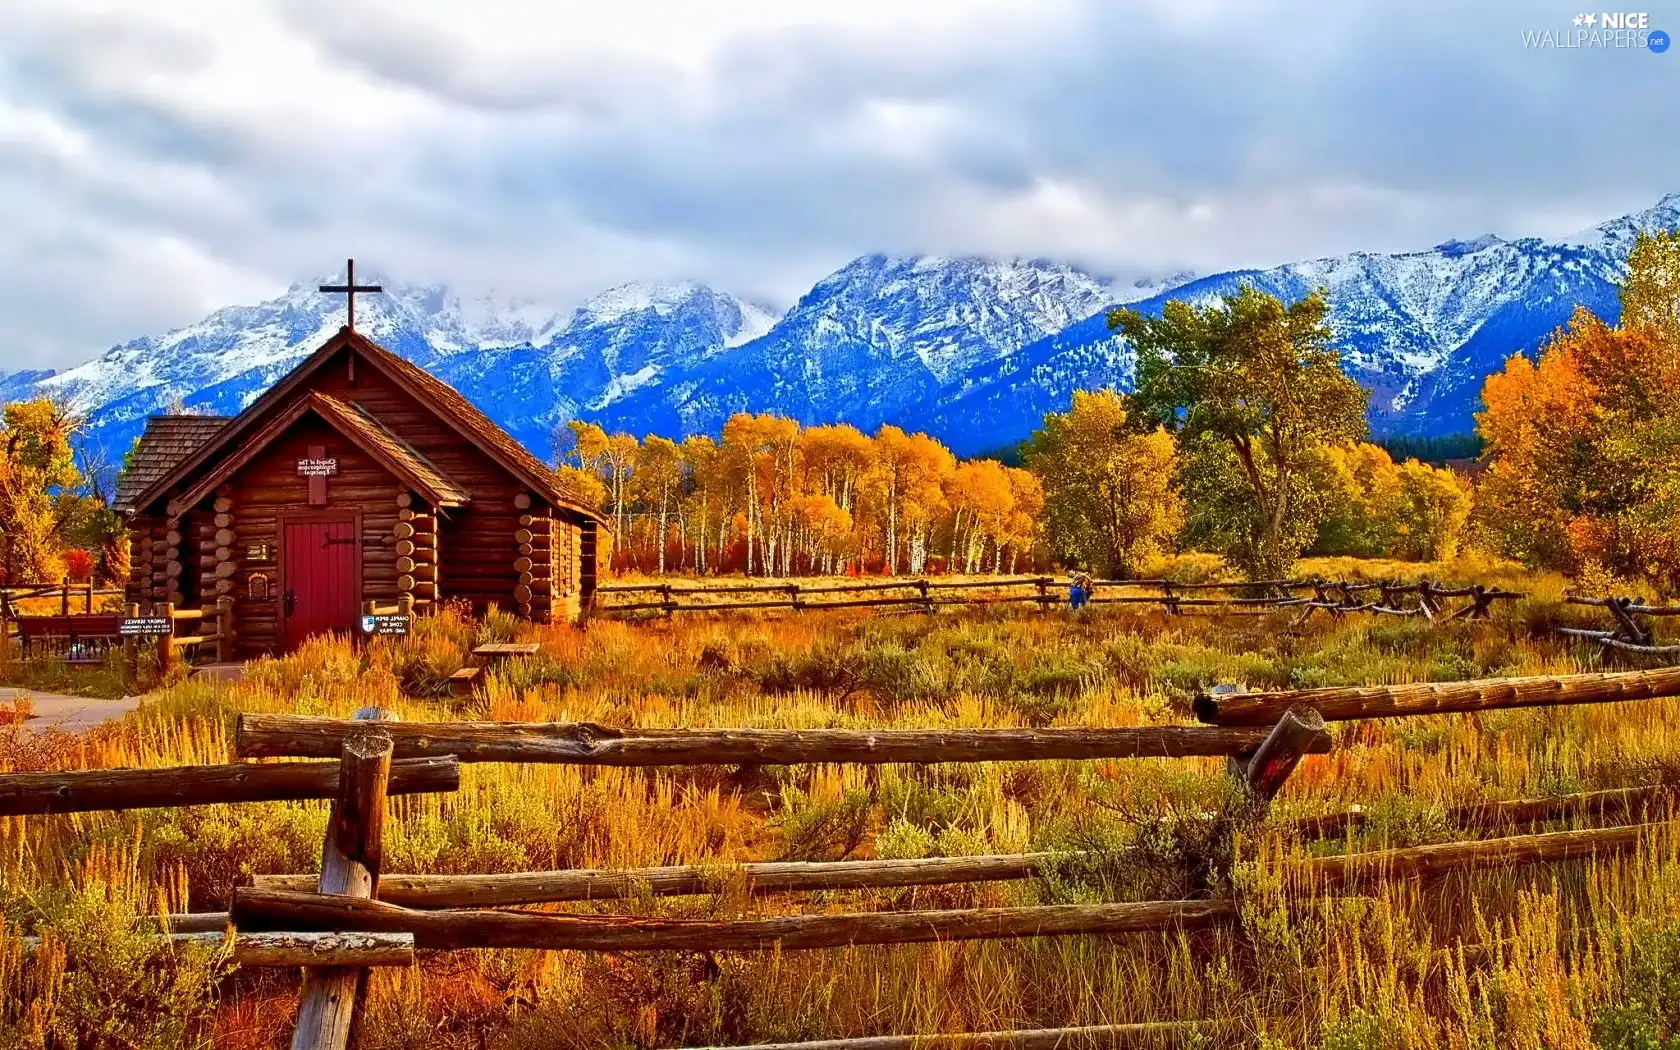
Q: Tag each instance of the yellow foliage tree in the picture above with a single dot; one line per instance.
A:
(1107, 490)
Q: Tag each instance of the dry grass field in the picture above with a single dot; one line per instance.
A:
(1572, 955)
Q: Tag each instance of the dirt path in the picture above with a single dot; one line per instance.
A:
(72, 714)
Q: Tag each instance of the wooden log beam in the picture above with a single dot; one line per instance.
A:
(542, 887)
(1154, 1035)
(1425, 861)
(528, 888)
(587, 743)
(1393, 701)
(83, 790)
(313, 948)
(291, 949)
(1510, 811)
(257, 909)
(349, 871)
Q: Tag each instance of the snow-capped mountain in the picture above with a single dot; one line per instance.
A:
(615, 344)
(1420, 329)
(877, 341)
(520, 360)
(974, 351)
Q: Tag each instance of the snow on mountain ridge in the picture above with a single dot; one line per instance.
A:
(973, 350)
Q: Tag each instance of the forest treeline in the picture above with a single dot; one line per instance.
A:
(1242, 436)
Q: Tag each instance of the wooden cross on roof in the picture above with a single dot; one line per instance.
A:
(349, 288)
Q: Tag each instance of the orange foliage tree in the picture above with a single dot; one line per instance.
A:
(1583, 446)
(773, 498)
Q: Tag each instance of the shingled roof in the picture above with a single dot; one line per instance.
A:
(165, 444)
(495, 441)
(443, 399)
(351, 420)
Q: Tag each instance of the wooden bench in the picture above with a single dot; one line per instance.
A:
(460, 682)
(502, 650)
(77, 639)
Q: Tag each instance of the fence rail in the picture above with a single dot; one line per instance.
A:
(1394, 701)
(378, 757)
(1256, 597)
(585, 743)
(1626, 634)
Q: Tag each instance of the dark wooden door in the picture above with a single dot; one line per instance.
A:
(321, 577)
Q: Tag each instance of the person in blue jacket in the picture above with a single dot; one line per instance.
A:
(1079, 592)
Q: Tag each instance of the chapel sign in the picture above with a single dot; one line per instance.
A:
(317, 468)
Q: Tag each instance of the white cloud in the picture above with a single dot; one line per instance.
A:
(160, 158)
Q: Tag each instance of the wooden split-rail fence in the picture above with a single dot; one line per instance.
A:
(1425, 599)
(352, 915)
(1627, 633)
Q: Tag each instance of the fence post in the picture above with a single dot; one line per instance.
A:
(1281, 751)
(90, 595)
(1426, 598)
(224, 629)
(64, 596)
(793, 596)
(166, 642)
(927, 601)
(1043, 593)
(349, 867)
(1626, 627)
(665, 599)
(1168, 601)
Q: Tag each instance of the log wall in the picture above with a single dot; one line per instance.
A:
(505, 547)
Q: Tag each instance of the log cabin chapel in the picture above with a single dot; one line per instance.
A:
(357, 478)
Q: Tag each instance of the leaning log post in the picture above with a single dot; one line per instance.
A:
(1426, 597)
(349, 868)
(1296, 733)
(1627, 629)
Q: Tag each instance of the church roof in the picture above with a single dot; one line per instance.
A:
(351, 420)
(166, 442)
(440, 397)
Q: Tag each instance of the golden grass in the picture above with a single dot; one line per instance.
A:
(1550, 949)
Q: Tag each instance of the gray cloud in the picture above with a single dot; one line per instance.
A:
(153, 166)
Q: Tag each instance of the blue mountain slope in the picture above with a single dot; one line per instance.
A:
(975, 351)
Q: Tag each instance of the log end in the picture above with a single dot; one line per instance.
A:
(1205, 708)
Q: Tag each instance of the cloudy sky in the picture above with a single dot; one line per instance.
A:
(161, 158)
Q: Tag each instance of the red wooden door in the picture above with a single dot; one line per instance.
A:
(321, 577)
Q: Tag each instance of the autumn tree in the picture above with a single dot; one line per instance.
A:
(1357, 488)
(38, 478)
(659, 473)
(1252, 383)
(1583, 446)
(1107, 488)
(1434, 504)
(1373, 507)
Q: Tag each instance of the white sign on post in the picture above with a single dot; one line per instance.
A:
(317, 468)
